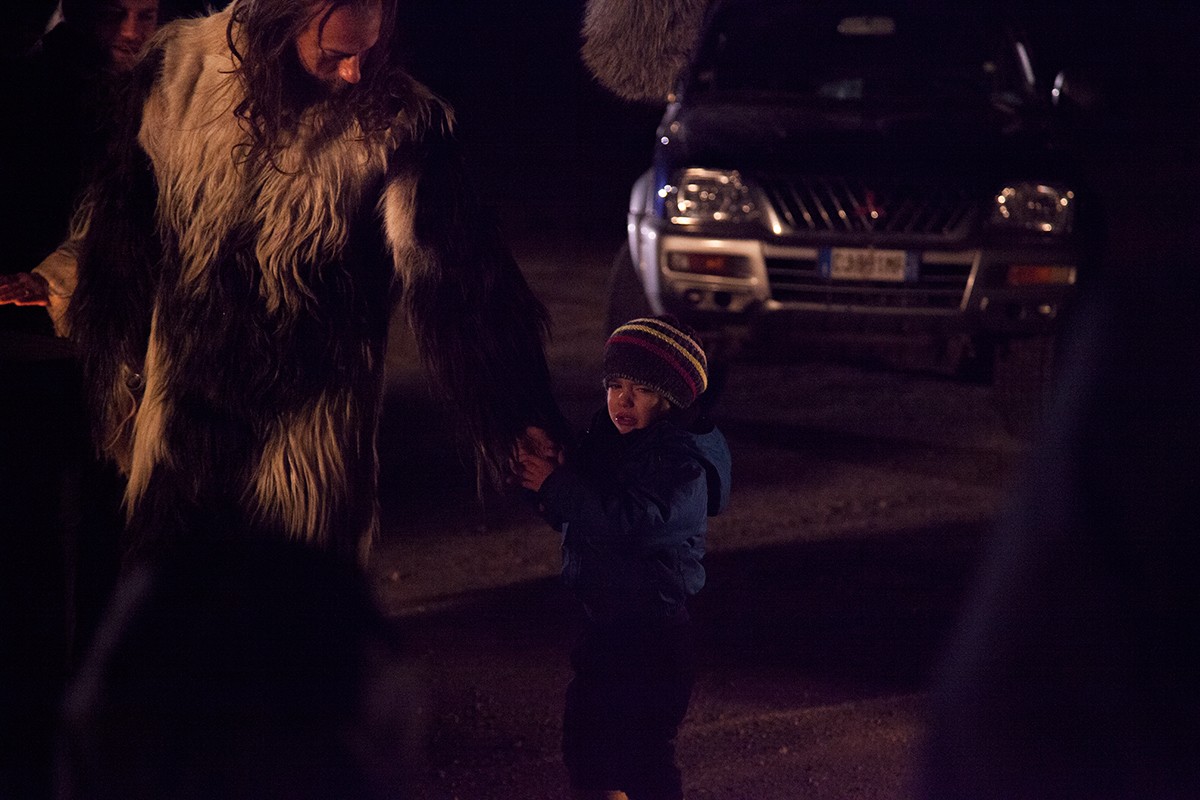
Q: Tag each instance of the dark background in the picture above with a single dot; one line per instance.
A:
(547, 140)
(550, 149)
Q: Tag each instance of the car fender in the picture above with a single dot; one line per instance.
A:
(642, 231)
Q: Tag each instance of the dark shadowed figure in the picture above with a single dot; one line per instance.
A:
(243, 668)
(1074, 672)
(60, 98)
(58, 504)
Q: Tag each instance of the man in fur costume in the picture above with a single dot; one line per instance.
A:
(280, 182)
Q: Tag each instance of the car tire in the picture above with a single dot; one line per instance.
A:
(1022, 373)
(626, 297)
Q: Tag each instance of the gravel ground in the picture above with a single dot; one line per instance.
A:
(860, 502)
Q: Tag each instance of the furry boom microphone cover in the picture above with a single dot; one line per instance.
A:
(636, 48)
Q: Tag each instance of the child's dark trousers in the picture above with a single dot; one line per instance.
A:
(630, 692)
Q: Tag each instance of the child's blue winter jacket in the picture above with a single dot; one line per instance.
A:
(633, 512)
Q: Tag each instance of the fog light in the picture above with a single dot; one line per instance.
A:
(1034, 275)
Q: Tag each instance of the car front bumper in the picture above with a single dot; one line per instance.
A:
(745, 282)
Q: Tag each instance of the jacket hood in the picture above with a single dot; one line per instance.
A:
(714, 455)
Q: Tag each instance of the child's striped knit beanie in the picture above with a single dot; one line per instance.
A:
(660, 352)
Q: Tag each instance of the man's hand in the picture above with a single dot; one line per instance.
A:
(537, 456)
(537, 441)
(24, 289)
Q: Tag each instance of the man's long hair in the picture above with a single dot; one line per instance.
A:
(262, 36)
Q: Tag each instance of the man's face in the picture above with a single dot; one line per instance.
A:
(122, 27)
(333, 45)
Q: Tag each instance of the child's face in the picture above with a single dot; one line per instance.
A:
(632, 406)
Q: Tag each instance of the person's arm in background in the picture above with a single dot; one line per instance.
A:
(24, 289)
(50, 284)
(59, 272)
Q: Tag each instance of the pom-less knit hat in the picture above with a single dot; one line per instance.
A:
(660, 352)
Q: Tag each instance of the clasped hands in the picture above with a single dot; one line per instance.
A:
(536, 456)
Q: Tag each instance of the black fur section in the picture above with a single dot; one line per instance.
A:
(234, 369)
(480, 329)
(109, 314)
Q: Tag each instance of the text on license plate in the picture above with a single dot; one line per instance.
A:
(859, 264)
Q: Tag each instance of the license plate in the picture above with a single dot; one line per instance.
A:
(859, 264)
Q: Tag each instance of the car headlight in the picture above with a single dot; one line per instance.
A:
(1033, 206)
(708, 195)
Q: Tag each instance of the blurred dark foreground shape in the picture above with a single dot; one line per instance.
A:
(1074, 673)
(242, 669)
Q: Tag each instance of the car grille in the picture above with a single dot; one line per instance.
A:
(939, 290)
(852, 205)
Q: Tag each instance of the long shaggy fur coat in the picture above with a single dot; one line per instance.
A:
(232, 321)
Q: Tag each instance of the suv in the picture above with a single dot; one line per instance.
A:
(852, 175)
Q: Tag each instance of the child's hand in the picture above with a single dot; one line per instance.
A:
(537, 456)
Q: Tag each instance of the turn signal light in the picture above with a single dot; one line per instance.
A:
(1033, 275)
(708, 264)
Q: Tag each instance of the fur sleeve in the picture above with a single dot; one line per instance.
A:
(118, 257)
(479, 328)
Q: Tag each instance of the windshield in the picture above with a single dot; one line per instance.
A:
(851, 58)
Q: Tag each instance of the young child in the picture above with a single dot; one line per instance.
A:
(632, 502)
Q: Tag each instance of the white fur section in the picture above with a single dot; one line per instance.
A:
(147, 448)
(398, 209)
(302, 475)
(301, 212)
(189, 132)
(61, 272)
(61, 268)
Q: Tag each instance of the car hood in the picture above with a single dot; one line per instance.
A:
(775, 138)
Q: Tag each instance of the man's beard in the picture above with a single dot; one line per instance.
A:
(121, 59)
(324, 90)
(303, 92)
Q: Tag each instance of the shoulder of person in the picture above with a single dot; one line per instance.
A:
(419, 113)
(209, 32)
(664, 443)
(707, 437)
(182, 49)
